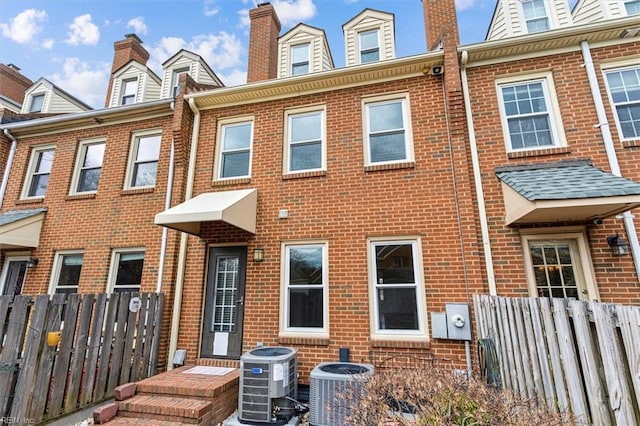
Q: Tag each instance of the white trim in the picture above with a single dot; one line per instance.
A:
(80, 157)
(31, 170)
(57, 265)
(5, 268)
(114, 262)
(359, 33)
(133, 154)
(525, 27)
(285, 330)
(291, 47)
(309, 110)
(222, 123)
(416, 246)
(627, 64)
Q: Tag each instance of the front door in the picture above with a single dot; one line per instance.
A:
(224, 303)
(13, 276)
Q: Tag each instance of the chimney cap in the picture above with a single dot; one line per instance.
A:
(14, 67)
(264, 3)
(134, 37)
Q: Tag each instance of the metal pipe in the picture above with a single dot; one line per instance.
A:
(167, 205)
(7, 170)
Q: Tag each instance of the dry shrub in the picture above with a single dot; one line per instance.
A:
(432, 396)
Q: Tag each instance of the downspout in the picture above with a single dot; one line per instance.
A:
(477, 177)
(182, 254)
(603, 124)
(7, 170)
(167, 205)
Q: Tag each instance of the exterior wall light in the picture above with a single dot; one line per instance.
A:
(619, 246)
(258, 254)
(33, 262)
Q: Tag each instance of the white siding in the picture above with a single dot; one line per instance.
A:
(60, 104)
(319, 55)
(498, 28)
(148, 88)
(509, 18)
(369, 20)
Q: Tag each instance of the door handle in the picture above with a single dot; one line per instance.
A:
(240, 301)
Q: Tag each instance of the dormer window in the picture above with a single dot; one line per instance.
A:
(632, 7)
(535, 15)
(300, 59)
(37, 101)
(175, 83)
(369, 46)
(129, 88)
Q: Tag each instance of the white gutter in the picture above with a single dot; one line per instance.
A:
(477, 177)
(610, 149)
(182, 254)
(7, 170)
(167, 205)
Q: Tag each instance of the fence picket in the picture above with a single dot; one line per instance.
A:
(127, 351)
(542, 353)
(92, 351)
(507, 353)
(149, 331)
(522, 348)
(79, 353)
(151, 369)
(629, 317)
(107, 347)
(533, 347)
(554, 355)
(13, 340)
(118, 345)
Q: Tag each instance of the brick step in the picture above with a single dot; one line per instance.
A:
(125, 421)
(196, 386)
(166, 408)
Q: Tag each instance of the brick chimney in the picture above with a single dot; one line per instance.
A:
(12, 83)
(124, 51)
(439, 20)
(263, 43)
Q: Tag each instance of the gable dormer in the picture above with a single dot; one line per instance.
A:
(44, 97)
(134, 83)
(518, 17)
(588, 11)
(302, 50)
(185, 62)
(369, 37)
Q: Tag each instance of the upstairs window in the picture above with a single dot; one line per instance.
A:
(234, 160)
(369, 46)
(535, 15)
(305, 141)
(143, 165)
(39, 171)
(126, 270)
(66, 273)
(632, 7)
(388, 132)
(624, 92)
(300, 59)
(175, 80)
(89, 167)
(128, 92)
(37, 102)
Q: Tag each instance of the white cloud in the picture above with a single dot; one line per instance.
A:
(47, 44)
(464, 4)
(233, 78)
(245, 21)
(138, 25)
(84, 81)
(210, 7)
(83, 31)
(294, 11)
(24, 26)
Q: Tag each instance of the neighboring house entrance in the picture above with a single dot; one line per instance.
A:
(13, 273)
(224, 303)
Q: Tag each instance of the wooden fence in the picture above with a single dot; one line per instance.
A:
(105, 340)
(578, 356)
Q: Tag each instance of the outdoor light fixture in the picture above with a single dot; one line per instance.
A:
(619, 246)
(33, 262)
(258, 254)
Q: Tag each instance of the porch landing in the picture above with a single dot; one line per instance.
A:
(193, 395)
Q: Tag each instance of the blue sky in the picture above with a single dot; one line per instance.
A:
(70, 42)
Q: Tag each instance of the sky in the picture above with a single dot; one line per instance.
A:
(70, 42)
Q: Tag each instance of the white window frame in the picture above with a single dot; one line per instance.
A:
(553, 109)
(527, 21)
(624, 7)
(133, 157)
(406, 122)
(57, 267)
(125, 95)
(421, 333)
(175, 79)
(79, 167)
(33, 99)
(115, 261)
(31, 170)
(618, 67)
(360, 33)
(222, 125)
(285, 330)
(289, 116)
(12, 257)
(581, 255)
(307, 62)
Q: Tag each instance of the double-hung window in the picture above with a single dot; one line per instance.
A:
(37, 102)
(300, 59)
(369, 46)
(126, 270)
(398, 306)
(528, 115)
(234, 158)
(66, 272)
(388, 131)
(128, 91)
(143, 162)
(624, 92)
(632, 7)
(175, 83)
(305, 141)
(535, 15)
(88, 166)
(305, 288)
(39, 171)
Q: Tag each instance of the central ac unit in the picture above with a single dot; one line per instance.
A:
(333, 388)
(268, 381)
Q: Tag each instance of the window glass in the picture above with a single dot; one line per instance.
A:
(535, 15)
(624, 90)
(176, 80)
(39, 178)
(129, 88)
(300, 59)
(145, 164)
(236, 150)
(129, 271)
(305, 287)
(528, 119)
(69, 273)
(90, 167)
(387, 138)
(554, 269)
(369, 48)
(305, 141)
(37, 102)
(632, 7)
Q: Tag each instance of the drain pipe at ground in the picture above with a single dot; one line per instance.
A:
(182, 254)
(7, 170)
(603, 124)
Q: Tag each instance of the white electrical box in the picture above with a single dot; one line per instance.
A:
(454, 324)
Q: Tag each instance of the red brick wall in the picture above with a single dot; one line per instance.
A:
(13, 84)
(263, 44)
(129, 49)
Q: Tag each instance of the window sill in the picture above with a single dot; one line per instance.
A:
(393, 166)
(30, 201)
(303, 340)
(134, 191)
(300, 175)
(72, 197)
(631, 144)
(231, 181)
(539, 152)
(404, 344)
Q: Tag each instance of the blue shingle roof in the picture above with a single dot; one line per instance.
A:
(16, 215)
